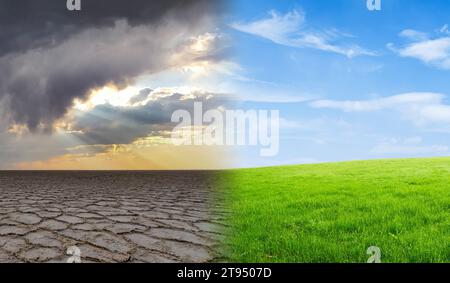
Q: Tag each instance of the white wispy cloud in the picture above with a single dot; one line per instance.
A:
(413, 34)
(432, 51)
(289, 29)
(444, 29)
(420, 107)
(407, 146)
(419, 98)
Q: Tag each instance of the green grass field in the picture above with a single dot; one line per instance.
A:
(334, 212)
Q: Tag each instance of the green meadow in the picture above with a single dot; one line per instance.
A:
(333, 212)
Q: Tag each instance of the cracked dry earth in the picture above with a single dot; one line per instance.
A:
(110, 216)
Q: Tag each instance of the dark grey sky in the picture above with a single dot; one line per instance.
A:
(49, 55)
(30, 23)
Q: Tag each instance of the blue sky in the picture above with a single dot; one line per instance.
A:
(349, 83)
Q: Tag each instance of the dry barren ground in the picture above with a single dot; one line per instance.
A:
(109, 216)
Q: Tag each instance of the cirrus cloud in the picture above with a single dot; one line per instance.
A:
(420, 107)
(290, 30)
(431, 51)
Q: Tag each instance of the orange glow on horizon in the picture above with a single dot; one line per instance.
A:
(161, 157)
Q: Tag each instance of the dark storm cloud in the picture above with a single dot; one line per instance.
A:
(49, 56)
(107, 124)
(31, 23)
(142, 95)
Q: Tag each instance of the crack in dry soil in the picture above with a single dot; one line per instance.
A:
(110, 216)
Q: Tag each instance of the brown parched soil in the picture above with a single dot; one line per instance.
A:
(110, 216)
